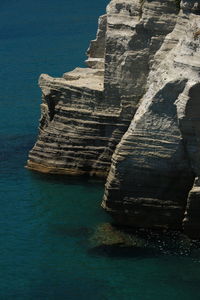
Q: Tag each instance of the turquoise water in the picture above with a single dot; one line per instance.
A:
(47, 222)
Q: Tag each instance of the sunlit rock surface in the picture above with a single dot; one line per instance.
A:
(133, 114)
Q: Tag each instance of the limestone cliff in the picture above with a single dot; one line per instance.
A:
(137, 103)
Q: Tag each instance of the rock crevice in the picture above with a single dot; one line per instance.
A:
(133, 114)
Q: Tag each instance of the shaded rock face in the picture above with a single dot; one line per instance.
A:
(154, 164)
(133, 114)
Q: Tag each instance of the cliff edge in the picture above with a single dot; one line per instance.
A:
(133, 115)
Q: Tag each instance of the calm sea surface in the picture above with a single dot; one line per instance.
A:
(47, 222)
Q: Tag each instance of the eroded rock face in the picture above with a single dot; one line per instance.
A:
(78, 130)
(154, 165)
(135, 31)
(85, 113)
(137, 102)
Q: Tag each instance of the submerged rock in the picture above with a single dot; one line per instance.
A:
(116, 241)
(133, 114)
(107, 234)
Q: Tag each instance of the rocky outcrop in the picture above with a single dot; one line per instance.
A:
(77, 136)
(78, 130)
(154, 165)
(85, 113)
(137, 102)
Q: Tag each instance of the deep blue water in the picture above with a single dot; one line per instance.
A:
(47, 222)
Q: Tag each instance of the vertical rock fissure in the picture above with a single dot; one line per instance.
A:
(190, 128)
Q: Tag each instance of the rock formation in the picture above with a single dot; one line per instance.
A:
(132, 114)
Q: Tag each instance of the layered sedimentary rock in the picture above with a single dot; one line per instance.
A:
(154, 165)
(137, 102)
(85, 113)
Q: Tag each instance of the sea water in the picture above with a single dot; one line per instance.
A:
(47, 222)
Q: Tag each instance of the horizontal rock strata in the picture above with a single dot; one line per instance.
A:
(154, 165)
(86, 112)
(132, 114)
(75, 136)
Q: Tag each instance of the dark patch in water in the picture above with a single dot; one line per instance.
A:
(116, 241)
(73, 287)
(15, 146)
(168, 242)
(119, 251)
(64, 230)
